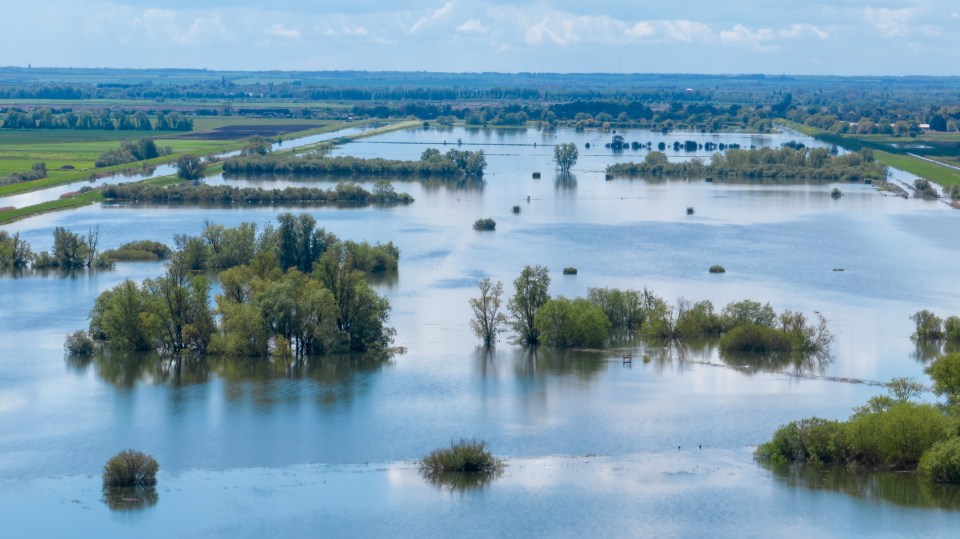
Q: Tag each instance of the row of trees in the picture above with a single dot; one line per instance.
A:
(345, 193)
(70, 251)
(770, 163)
(268, 307)
(105, 120)
(536, 318)
(37, 171)
(452, 164)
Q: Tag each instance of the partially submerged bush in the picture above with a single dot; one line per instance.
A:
(717, 268)
(485, 224)
(836, 193)
(130, 468)
(78, 343)
(941, 463)
(754, 338)
(465, 456)
(570, 271)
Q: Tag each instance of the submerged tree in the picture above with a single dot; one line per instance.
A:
(488, 320)
(190, 167)
(531, 293)
(565, 156)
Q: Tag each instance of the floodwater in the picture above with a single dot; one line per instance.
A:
(593, 446)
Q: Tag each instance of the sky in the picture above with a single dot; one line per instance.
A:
(838, 37)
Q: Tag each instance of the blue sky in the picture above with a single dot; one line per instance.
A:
(841, 37)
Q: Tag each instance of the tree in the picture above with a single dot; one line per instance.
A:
(257, 145)
(565, 156)
(564, 323)
(928, 326)
(190, 168)
(487, 319)
(945, 373)
(531, 293)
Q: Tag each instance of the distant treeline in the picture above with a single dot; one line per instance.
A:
(781, 163)
(345, 193)
(452, 164)
(105, 120)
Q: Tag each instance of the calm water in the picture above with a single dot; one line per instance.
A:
(592, 444)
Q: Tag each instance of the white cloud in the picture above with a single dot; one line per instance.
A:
(641, 29)
(282, 31)
(684, 30)
(890, 22)
(164, 25)
(433, 18)
(473, 26)
(802, 30)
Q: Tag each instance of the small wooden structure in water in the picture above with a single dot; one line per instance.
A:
(628, 359)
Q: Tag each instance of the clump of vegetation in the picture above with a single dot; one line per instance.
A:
(717, 268)
(569, 271)
(139, 251)
(293, 286)
(345, 193)
(191, 168)
(836, 193)
(37, 171)
(454, 164)
(565, 156)
(485, 224)
(941, 463)
(576, 323)
(516, 209)
(924, 188)
(130, 468)
(536, 175)
(945, 372)
(690, 210)
(78, 343)
(929, 327)
(465, 456)
(887, 434)
(131, 151)
(782, 163)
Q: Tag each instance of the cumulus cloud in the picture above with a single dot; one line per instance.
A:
(282, 31)
(473, 26)
(433, 18)
(890, 22)
(165, 25)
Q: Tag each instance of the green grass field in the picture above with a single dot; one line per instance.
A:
(944, 176)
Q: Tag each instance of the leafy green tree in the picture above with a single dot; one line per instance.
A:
(190, 168)
(361, 313)
(945, 373)
(257, 145)
(577, 323)
(182, 310)
(928, 326)
(488, 320)
(123, 316)
(565, 156)
(531, 292)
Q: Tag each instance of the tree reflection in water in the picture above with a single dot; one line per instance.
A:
(130, 498)
(903, 488)
(461, 481)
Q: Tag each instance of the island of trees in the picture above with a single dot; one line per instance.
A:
(344, 194)
(454, 164)
(538, 319)
(785, 163)
(290, 290)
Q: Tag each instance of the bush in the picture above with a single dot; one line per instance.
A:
(897, 437)
(945, 372)
(836, 193)
(717, 268)
(78, 343)
(139, 251)
(578, 323)
(941, 463)
(516, 209)
(754, 338)
(130, 468)
(485, 224)
(570, 271)
(813, 440)
(465, 456)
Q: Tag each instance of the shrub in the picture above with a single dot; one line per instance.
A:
(578, 323)
(717, 268)
(690, 210)
(130, 468)
(836, 193)
(570, 271)
(465, 456)
(941, 463)
(485, 224)
(754, 338)
(813, 440)
(945, 372)
(78, 343)
(536, 175)
(898, 436)
(928, 325)
(516, 209)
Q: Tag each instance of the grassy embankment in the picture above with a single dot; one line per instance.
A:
(941, 145)
(20, 149)
(92, 197)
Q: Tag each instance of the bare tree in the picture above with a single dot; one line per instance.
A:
(488, 321)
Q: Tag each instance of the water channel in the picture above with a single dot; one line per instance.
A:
(593, 446)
